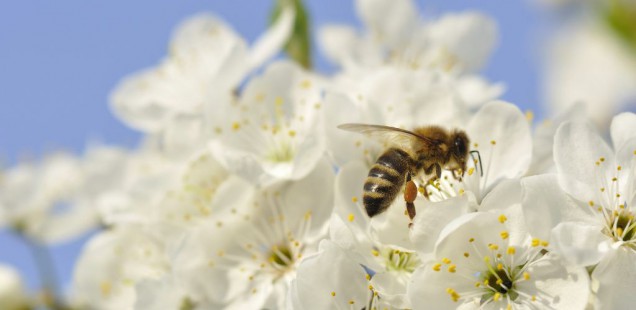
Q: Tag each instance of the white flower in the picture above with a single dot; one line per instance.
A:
(147, 176)
(207, 61)
(593, 223)
(333, 279)
(543, 139)
(112, 263)
(274, 132)
(12, 291)
(489, 261)
(247, 258)
(40, 200)
(456, 43)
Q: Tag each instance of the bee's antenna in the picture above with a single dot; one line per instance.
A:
(481, 170)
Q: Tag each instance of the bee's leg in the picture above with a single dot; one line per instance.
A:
(410, 193)
(457, 174)
(431, 180)
(438, 171)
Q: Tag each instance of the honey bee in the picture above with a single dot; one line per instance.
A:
(425, 149)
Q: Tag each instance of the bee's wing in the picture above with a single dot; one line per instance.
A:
(391, 135)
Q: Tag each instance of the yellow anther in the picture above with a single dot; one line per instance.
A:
(535, 242)
(493, 142)
(333, 294)
(614, 179)
(368, 277)
(602, 159)
(499, 282)
(475, 145)
(375, 253)
(496, 297)
(591, 203)
(461, 191)
(534, 298)
(500, 266)
(278, 101)
(236, 126)
(466, 254)
(471, 240)
(452, 268)
(437, 267)
(619, 231)
(292, 133)
(502, 219)
(370, 287)
(453, 294)
(504, 235)
(511, 250)
(509, 307)
(619, 168)
(544, 243)
(351, 217)
(471, 170)
(487, 259)
(445, 260)
(493, 247)
(526, 275)
(351, 302)
(477, 284)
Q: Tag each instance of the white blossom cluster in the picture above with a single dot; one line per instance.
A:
(246, 195)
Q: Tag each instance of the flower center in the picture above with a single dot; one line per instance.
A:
(283, 151)
(396, 260)
(281, 257)
(622, 227)
(500, 281)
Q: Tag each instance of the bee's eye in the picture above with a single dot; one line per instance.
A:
(460, 146)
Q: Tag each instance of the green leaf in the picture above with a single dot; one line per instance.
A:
(298, 46)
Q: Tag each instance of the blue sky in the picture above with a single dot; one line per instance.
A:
(60, 59)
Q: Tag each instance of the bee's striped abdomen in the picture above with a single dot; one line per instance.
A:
(385, 180)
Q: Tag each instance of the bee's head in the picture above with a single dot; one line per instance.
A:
(459, 149)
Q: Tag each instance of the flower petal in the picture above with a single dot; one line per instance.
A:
(469, 36)
(545, 205)
(389, 21)
(501, 134)
(623, 128)
(431, 220)
(577, 149)
(329, 280)
(273, 40)
(580, 244)
(567, 287)
(616, 276)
